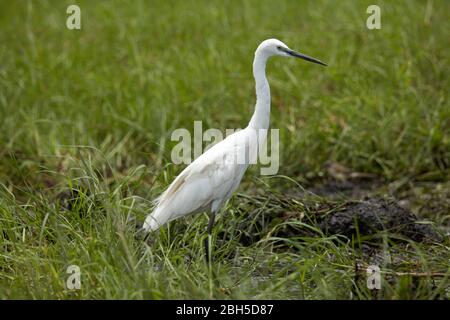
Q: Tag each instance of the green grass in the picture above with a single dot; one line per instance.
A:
(86, 118)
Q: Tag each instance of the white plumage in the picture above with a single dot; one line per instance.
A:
(202, 186)
(210, 180)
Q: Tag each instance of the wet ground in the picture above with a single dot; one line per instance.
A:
(353, 204)
(371, 216)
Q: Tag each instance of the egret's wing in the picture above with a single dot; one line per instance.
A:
(210, 178)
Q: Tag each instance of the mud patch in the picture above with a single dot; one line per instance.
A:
(371, 216)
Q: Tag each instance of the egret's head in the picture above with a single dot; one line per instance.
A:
(274, 47)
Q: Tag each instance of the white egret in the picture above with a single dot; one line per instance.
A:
(210, 180)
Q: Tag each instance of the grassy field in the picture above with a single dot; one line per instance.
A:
(86, 118)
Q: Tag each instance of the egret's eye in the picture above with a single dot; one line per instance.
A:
(279, 47)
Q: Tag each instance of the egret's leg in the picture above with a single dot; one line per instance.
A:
(212, 216)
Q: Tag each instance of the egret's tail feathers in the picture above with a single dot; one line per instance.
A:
(151, 223)
(163, 209)
(156, 219)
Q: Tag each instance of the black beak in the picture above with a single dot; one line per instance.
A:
(301, 56)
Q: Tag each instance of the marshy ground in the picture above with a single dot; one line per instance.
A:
(87, 115)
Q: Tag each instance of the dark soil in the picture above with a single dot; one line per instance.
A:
(347, 207)
(371, 216)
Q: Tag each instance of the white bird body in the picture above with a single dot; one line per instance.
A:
(206, 183)
(210, 180)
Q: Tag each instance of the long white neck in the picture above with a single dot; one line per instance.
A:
(261, 116)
